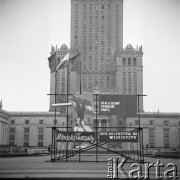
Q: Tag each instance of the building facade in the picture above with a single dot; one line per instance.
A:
(4, 123)
(33, 128)
(104, 66)
(160, 130)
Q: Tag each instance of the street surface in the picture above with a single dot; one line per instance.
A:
(41, 166)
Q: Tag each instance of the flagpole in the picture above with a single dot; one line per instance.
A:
(67, 93)
(55, 114)
(80, 76)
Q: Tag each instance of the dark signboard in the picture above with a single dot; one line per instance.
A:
(71, 136)
(118, 136)
(124, 105)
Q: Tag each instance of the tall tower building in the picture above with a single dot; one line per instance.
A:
(129, 72)
(103, 64)
(97, 32)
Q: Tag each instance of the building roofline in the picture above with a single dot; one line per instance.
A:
(34, 113)
(160, 114)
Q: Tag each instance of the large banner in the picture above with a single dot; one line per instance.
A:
(124, 105)
(82, 104)
(82, 112)
(71, 136)
(120, 136)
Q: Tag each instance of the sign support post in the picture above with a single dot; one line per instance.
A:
(140, 139)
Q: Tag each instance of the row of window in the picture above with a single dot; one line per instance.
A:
(117, 27)
(128, 85)
(152, 122)
(96, 6)
(152, 137)
(26, 136)
(90, 67)
(129, 61)
(88, 82)
(26, 121)
(166, 122)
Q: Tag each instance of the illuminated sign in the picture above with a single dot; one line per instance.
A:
(118, 136)
(124, 105)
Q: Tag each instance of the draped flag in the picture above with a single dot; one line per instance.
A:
(68, 61)
(52, 62)
(63, 62)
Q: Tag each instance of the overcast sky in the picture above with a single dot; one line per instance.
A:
(29, 27)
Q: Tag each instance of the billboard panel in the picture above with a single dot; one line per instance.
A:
(71, 136)
(124, 105)
(120, 136)
(82, 112)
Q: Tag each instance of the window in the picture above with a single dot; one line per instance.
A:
(136, 122)
(90, 82)
(124, 82)
(40, 144)
(166, 122)
(102, 7)
(135, 82)
(151, 122)
(12, 121)
(55, 121)
(40, 130)
(26, 121)
(84, 82)
(11, 143)
(26, 137)
(12, 130)
(40, 137)
(134, 61)
(11, 137)
(166, 138)
(102, 81)
(108, 81)
(95, 81)
(151, 137)
(129, 61)
(103, 124)
(129, 82)
(26, 144)
(26, 130)
(41, 121)
(124, 61)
